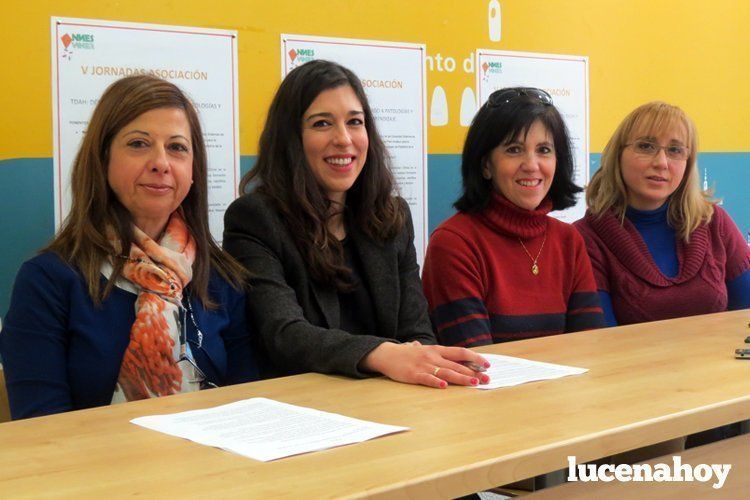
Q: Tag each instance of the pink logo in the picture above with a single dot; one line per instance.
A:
(293, 54)
(66, 39)
(485, 66)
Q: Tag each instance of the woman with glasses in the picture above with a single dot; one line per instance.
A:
(132, 299)
(660, 248)
(335, 284)
(502, 269)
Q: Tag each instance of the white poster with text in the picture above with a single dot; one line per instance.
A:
(566, 79)
(393, 76)
(88, 55)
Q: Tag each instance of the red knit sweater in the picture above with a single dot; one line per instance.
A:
(623, 266)
(478, 281)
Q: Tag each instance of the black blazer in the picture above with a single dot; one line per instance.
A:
(298, 320)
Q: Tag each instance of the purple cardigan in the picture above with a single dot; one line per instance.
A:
(640, 292)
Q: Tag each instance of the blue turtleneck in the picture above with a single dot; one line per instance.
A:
(659, 237)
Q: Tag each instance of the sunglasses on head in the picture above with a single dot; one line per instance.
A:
(504, 96)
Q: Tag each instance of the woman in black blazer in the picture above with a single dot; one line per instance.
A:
(335, 284)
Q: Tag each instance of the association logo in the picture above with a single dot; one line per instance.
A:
(78, 41)
(297, 57)
(491, 68)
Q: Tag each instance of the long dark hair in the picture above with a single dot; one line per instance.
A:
(500, 124)
(283, 174)
(83, 239)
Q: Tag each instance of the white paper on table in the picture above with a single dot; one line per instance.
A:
(265, 429)
(507, 371)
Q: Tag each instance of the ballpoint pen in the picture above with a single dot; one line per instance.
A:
(473, 366)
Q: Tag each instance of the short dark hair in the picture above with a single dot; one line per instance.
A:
(283, 174)
(501, 124)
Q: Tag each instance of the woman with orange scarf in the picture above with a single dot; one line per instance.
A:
(132, 299)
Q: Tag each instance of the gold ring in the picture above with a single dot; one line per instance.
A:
(435, 371)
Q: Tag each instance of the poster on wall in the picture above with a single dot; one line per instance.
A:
(566, 79)
(88, 55)
(393, 76)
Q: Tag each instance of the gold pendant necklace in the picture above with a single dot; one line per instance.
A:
(534, 266)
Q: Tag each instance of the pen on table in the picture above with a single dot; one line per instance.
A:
(473, 366)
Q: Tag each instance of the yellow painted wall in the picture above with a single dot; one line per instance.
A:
(694, 54)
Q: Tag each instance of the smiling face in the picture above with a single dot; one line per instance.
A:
(335, 141)
(150, 167)
(522, 170)
(650, 180)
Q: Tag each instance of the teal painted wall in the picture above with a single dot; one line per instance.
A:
(27, 221)
(27, 218)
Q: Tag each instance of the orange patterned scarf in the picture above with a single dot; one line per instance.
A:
(159, 272)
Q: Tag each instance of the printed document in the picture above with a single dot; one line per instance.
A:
(507, 371)
(265, 430)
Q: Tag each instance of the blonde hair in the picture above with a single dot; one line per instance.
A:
(689, 207)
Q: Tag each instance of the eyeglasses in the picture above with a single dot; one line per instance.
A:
(649, 149)
(504, 96)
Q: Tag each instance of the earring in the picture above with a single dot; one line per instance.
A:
(486, 174)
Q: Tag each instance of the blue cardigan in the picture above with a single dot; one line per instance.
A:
(61, 352)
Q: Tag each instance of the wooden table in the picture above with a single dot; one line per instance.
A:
(647, 383)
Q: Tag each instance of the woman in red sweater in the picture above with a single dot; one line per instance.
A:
(659, 246)
(502, 269)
